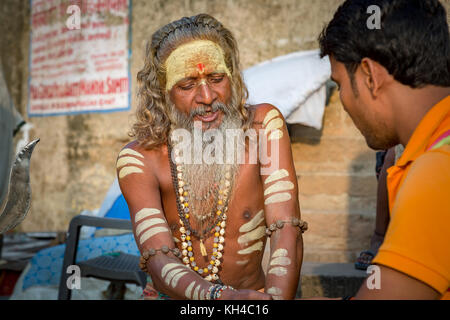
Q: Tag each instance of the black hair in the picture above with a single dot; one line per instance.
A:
(412, 41)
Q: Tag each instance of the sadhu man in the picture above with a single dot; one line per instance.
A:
(395, 83)
(202, 226)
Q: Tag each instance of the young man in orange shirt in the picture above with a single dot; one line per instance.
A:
(391, 60)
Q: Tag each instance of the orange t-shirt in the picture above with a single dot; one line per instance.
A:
(417, 241)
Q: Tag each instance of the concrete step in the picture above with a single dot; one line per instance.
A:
(331, 280)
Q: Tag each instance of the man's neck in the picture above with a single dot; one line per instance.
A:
(411, 105)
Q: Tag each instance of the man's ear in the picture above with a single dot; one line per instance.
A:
(374, 75)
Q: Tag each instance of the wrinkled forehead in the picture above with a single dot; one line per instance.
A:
(192, 59)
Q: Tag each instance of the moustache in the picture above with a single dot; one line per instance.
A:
(202, 109)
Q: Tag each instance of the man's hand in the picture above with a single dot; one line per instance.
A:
(244, 294)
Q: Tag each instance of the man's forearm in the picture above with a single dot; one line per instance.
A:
(285, 260)
(179, 282)
(176, 280)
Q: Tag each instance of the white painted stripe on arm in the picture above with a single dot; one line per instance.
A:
(278, 271)
(168, 267)
(129, 170)
(177, 277)
(274, 291)
(279, 186)
(274, 124)
(195, 295)
(145, 213)
(282, 261)
(130, 151)
(277, 198)
(277, 175)
(270, 115)
(275, 135)
(171, 274)
(152, 232)
(188, 291)
(280, 253)
(143, 225)
(128, 160)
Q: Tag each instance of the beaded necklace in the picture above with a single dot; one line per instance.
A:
(217, 227)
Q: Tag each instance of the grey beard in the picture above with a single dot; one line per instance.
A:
(203, 178)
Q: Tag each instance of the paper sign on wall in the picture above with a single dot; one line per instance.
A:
(79, 56)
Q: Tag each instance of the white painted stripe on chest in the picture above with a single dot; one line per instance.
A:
(255, 247)
(242, 262)
(256, 234)
(279, 186)
(277, 175)
(252, 224)
(145, 213)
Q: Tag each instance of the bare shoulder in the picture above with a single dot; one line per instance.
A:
(136, 149)
(263, 112)
(135, 154)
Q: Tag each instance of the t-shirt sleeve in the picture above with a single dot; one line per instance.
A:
(417, 242)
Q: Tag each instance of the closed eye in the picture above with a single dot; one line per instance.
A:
(217, 78)
(187, 85)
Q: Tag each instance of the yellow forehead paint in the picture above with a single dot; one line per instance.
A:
(192, 58)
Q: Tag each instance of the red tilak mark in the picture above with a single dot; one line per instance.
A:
(201, 67)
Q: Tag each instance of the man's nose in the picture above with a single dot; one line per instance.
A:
(205, 95)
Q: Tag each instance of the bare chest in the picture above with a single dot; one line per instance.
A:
(243, 203)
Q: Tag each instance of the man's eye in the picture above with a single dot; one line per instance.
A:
(216, 79)
(187, 86)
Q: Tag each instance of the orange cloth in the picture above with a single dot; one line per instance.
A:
(417, 242)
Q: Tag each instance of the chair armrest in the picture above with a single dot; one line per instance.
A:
(112, 223)
(72, 244)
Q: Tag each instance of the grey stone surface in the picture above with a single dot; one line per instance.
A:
(331, 280)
